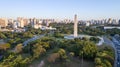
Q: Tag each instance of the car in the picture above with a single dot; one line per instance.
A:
(118, 51)
(118, 62)
(115, 41)
(118, 44)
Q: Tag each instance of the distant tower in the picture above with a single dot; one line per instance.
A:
(75, 26)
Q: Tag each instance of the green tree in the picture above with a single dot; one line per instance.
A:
(62, 54)
(5, 46)
(18, 48)
(98, 61)
(38, 50)
(15, 61)
(2, 36)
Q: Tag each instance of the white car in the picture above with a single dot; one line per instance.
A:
(118, 51)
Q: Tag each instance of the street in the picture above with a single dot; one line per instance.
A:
(111, 43)
(32, 39)
(116, 41)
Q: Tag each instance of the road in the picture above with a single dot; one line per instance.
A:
(116, 41)
(41, 63)
(101, 40)
(32, 39)
(111, 43)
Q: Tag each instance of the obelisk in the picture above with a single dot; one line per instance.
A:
(75, 26)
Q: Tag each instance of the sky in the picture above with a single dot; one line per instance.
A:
(85, 9)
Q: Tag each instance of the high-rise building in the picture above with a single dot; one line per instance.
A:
(26, 22)
(3, 22)
(21, 22)
(75, 26)
(109, 21)
(119, 22)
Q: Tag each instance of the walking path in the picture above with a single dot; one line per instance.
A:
(41, 64)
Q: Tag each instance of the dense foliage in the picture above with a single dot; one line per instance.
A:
(54, 47)
(92, 30)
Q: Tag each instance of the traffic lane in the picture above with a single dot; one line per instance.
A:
(32, 39)
(115, 42)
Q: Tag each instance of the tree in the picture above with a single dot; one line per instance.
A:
(98, 61)
(71, 54)
(2, 36)
(27, 35)
(104, 57)
(5, 46)
(15, 61)
(94, 39)
(89, 50)
(62, 54)
(107, 63)
(38, 50)
(19, 48)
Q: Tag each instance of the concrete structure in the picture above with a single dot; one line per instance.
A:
(47, 23)
(75, 26)
(25, 22)
(3, 22)
(75, 34)
(21, 22)
(111, 28)
(36, 26)
(15, 24)
(87, 24)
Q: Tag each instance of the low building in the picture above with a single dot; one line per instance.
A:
(111, 28)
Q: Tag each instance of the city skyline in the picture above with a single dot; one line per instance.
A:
(85, 9)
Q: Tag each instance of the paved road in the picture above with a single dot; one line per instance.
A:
(116, 41)
(111, 43)
(32, 39)
(41, 63)
(101, 40)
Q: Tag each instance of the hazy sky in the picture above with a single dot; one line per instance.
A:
(85, 9)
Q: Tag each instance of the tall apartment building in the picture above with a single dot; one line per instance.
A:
(3, 22)
(119, 22)
(22, 22)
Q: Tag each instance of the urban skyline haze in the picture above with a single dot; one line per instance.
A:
(85, 9)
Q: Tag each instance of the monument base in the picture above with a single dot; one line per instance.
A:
(87, 36)
(79, 36)
(70, 37)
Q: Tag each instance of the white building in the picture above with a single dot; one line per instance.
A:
(87, 24)
(111, 28)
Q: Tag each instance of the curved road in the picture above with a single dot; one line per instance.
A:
(111, 43)
(32, 39)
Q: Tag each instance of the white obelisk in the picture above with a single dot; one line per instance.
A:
(75, 26)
